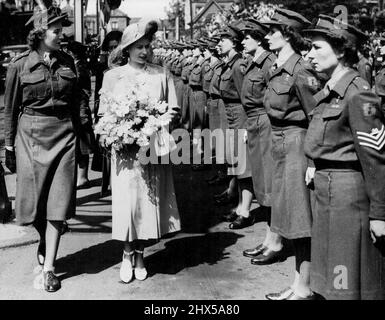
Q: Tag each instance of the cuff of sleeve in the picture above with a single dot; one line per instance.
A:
(377, 213)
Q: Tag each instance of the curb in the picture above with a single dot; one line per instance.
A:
(30, 237)
(17, 245)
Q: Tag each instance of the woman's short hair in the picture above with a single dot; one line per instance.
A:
(34, 38)
(237, 44)
(258, 37)
(295, 38)
(349, 49)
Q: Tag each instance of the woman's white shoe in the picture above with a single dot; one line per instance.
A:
(126, 270)
(140, 273)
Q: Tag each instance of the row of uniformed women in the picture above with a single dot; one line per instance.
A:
(300, 138)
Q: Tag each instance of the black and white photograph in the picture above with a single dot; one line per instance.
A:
(217, 151)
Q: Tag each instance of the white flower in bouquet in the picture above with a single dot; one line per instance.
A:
(132, 118)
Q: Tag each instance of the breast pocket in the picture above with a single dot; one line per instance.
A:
(279, 95)
(255, 81)
(330, 117)
(66, 82)
(34, 85)
(225, 83)
(195, 76)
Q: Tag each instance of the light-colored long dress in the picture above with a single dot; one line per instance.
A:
(143, 197)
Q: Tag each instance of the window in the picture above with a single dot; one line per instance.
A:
(114, 25)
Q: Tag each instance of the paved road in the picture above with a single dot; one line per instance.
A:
(203, 262)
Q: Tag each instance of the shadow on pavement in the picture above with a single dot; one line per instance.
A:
(178, 254)
(91, 260)
(190, 252)
(90, 224)
(196, 204)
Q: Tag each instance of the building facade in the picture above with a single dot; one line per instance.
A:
(118, 21)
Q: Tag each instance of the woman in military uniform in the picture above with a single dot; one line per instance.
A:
(288, 100)
(42, 114)
(258, 125)
(186, 66)
(346, 139)
(198, 98)
(230, 89)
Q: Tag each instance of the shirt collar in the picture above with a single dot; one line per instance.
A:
(340, 81)
(261, 57)
(234, 58)
(34, 59)
(290, 62)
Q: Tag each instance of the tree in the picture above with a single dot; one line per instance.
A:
(176, 9)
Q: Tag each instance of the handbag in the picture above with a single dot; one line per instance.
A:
(164, 142)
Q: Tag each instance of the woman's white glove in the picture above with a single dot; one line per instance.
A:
(377, 229)
(245, 137)
(309, 176)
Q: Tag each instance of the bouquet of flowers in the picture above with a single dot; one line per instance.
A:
(132, 118)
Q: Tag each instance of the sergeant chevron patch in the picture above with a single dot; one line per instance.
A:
(375, 139)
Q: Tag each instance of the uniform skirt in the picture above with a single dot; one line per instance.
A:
(185, 108)
(345, 264)
(214, 116)
(236, 150)
(179, 91)
(291, 208)
(197, 103)
(261, 162)
(46, 169)
(87, 140)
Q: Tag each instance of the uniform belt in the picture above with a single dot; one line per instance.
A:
(227, 100)
(50, 112)
(339, 165)
(215, 96)
(255, 111)
(279, 123)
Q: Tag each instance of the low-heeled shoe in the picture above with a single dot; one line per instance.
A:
(268, 257)
(282, 295)
(241, 222)
(293, 296)
(254, 252)
(51, 282)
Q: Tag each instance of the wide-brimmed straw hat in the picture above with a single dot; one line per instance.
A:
(137, 31)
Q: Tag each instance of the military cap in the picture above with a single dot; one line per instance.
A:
(253, 25)
(231, 32)
(288, 18)
(43, 17)
(334, 27)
